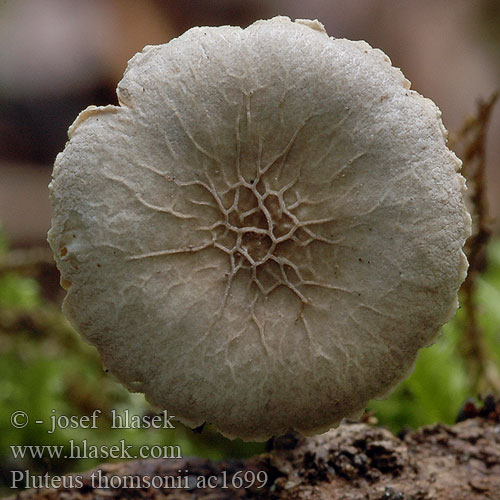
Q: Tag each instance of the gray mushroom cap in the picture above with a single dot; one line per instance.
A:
(264, 232)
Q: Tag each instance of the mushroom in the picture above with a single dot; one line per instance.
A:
(264, 232)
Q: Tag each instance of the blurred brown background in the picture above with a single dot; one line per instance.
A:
(59, 56)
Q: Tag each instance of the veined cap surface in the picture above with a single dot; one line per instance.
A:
(266, 230)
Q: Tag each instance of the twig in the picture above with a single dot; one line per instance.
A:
(25, 259)
(483, 372)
